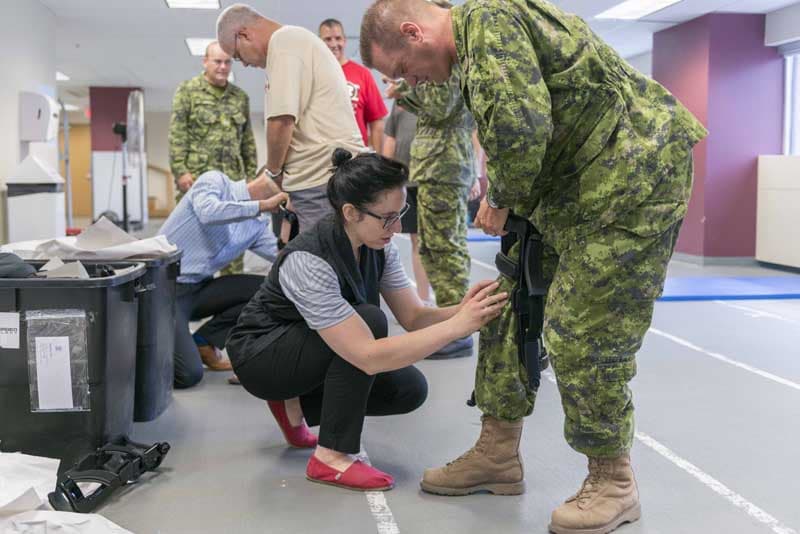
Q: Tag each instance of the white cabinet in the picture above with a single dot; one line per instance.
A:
(778, 211)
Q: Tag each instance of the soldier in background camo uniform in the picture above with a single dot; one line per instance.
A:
(443, 166)
(598, 158)
(210, 129)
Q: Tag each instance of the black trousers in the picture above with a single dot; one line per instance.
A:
(220, 298)
(333, 393)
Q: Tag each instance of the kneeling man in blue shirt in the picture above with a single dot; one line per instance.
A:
(213, 224)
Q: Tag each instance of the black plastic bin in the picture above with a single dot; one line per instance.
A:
(155, 341)
(101, 360)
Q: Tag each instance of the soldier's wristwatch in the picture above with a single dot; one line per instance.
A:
(490, 201)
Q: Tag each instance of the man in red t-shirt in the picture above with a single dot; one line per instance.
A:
(367, 101)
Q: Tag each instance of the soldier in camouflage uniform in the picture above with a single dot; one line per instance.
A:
(443, 164)
(598, 158)
(210, 129)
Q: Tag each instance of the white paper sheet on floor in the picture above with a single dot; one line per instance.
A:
(47, 522)
(25, 481)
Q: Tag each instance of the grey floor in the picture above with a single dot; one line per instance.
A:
(718, 409)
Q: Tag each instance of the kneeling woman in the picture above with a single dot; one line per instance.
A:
(313, 340)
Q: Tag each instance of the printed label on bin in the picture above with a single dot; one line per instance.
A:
(9, 330)
(53, 377)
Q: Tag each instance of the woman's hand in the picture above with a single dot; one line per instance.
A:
(480, 305)
(474, 291)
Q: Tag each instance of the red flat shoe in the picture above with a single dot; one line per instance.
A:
(358, 477)
(297, 436)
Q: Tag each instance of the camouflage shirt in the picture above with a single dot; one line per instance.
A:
(211, 130)
(575, 137)
(442, 147)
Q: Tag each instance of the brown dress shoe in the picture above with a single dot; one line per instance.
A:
(213, 359)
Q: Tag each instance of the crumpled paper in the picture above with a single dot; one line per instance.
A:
(102, 241)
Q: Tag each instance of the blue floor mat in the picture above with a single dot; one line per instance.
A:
(474, 234)
(731, 288)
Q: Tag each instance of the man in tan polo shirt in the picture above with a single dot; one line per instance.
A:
(308, 107)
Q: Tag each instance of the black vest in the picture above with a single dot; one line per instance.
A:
(269, 314)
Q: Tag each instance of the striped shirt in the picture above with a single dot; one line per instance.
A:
(214, 223)
(312, 285)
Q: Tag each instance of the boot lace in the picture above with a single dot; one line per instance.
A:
(600, 470)
(478, 449)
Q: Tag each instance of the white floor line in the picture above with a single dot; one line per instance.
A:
(725, 359)
(378, 505)
(753, 312)
(707, 480)
(762, 516)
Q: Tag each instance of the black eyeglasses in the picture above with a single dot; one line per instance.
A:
(388, 220)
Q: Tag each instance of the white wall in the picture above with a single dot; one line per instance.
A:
(643, 63)
(28, 45)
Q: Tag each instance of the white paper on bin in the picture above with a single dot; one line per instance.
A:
(102, 241)
(9, 330)
(51, 265)
(74, 269)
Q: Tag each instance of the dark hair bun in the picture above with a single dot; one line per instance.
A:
(340, 155)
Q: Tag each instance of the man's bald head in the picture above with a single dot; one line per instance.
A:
(244, 34)
(212, 48)
(232, 20)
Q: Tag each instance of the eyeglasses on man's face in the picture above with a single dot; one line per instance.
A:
(388, 220)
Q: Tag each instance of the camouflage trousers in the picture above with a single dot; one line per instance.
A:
(602, 289)
(442, 231)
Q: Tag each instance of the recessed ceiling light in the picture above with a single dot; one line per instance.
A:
(635, 9)
(193, 4)
(197, 45)
(61, 77)
(71, 107)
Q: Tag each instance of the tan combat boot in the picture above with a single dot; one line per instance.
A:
(608, 498)
(492, 465)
